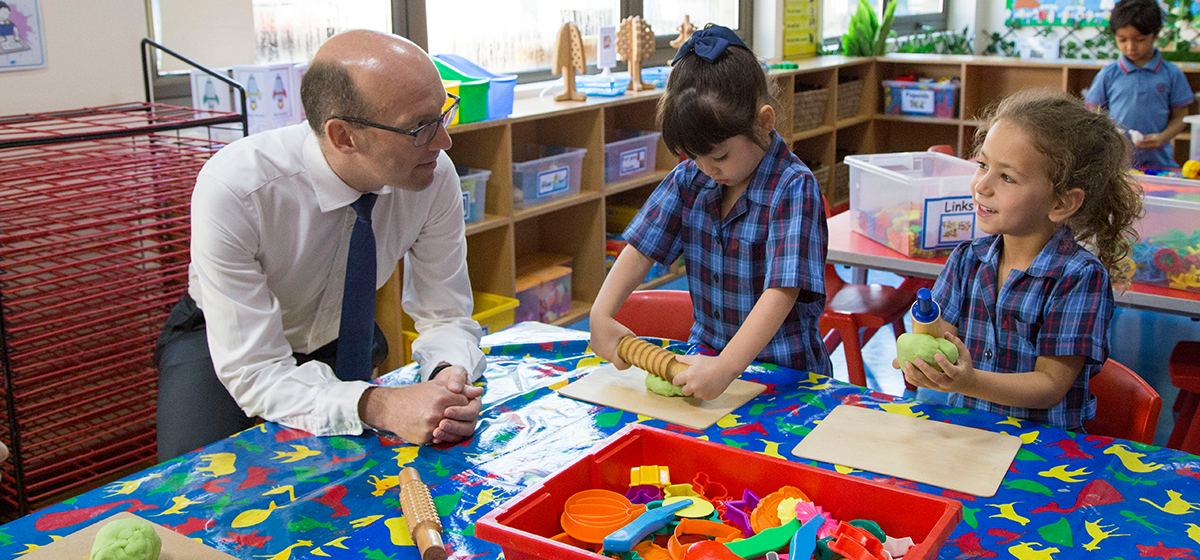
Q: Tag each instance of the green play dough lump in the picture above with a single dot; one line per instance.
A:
(126, 539)
(660, 386)
(911, 346)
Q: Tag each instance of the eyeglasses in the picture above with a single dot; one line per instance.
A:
(422, 134)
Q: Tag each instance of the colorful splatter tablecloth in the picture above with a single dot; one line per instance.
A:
(278, 493)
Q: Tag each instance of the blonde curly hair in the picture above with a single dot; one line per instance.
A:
(1084, 150)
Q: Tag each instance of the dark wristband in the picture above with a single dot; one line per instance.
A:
(438, 368)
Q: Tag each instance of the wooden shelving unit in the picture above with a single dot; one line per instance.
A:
(575, 226)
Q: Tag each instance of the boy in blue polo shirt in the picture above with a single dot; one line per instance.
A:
(1141, 91)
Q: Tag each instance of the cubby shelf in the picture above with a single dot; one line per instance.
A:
(575, 226)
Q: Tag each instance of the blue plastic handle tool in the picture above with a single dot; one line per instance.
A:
(925, 309)
(623, 539)
(804, 542)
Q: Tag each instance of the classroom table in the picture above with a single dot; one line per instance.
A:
(279, 493)
(854, 249)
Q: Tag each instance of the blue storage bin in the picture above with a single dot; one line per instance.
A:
(542, 173)
(500, 93)
(605, 86)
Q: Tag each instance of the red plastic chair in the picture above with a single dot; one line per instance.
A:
(1184, 367)
(850, 308)
(1126, 406)
(658, 313)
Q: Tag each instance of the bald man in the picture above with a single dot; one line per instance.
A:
(272, 222)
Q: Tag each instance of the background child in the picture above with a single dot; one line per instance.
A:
(1141, 91)
(1031, 304)
(745, 212)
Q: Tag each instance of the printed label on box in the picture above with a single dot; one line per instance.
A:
(948, 222)
(633, 161)
(466, 205)
(555, 180)
(917, 101)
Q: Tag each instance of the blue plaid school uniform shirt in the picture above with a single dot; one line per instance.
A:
(1060, 306)
(775, 236)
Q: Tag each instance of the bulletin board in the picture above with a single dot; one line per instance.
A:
(1045, 13)
(800, 31)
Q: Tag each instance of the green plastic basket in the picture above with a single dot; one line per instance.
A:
(473, 94)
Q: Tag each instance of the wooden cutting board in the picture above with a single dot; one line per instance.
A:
(626, 390)
(78, 545)
(967, 460)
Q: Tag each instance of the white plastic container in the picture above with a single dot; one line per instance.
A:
(542, 173)
(474, 192)
(917, 203)
(630, 155)
(1194, 144)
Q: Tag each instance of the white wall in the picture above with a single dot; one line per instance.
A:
(91, 58)
(213, 33)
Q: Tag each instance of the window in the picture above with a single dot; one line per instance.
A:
(517, 36)
(911, 16)
(292, 30)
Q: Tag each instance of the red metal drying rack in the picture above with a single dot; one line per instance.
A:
(94, 233)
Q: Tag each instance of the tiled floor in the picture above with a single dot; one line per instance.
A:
(1142, 340)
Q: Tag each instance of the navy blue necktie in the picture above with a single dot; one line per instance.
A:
(357, 329)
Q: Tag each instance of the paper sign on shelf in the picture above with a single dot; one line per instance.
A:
(948, 222)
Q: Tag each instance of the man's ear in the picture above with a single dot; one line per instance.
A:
(340, 135)
(1067, 205)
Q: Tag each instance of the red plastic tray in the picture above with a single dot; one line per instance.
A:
(523, 525)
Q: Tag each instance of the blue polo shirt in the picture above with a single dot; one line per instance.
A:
(1141, 98)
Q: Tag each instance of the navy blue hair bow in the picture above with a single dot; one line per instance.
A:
(709, 43)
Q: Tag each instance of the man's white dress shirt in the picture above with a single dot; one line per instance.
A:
(271, 226)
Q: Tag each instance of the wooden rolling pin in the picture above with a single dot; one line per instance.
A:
(420, 515)
(652, 358)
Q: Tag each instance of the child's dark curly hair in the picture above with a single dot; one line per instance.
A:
(1084, 150)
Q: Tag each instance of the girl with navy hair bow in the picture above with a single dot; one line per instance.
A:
(746, 214)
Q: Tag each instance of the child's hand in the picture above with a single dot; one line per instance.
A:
(606, 335)
(952, 378)
(704, 378)
(1151, 141)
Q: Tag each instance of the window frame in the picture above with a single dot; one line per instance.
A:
(910, 25)
(409, 20)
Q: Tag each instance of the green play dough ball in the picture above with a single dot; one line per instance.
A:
(660, 386)
(126, 539)
(911, 346)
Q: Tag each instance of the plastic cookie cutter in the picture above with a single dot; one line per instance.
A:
(737, 512)
(623, 539)
(654, 475)
(809, 510)
(711, 490)
(856, 544)
(591, 515)
(766, 515)
(644, 494)
(572, 541)
(690, 528)
(767, 540)
(700, 508)
(680, 490)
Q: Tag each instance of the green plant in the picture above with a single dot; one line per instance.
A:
(928, 42)
(867, 35)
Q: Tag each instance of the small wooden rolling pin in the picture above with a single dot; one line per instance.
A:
(652, 358)
(420, 515)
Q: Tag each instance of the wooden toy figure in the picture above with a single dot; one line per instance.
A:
(569, 58)
(635, 43)
(685, 32)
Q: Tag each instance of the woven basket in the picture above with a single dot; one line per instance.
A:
(809, 109)
(841, 184)
(848, 96)
(821, 173)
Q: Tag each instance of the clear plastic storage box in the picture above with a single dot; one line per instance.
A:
(630, 155)
(918, 203)
(925, 98)
(542, 173)
(474, 192)
(1167, 252)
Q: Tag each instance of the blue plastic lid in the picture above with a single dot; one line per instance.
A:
(925, 309)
